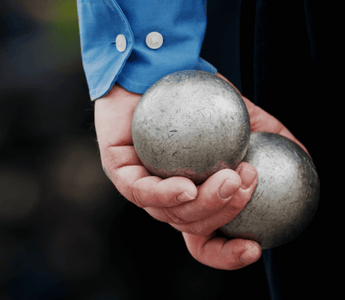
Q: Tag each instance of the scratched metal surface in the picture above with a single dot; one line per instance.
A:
(286, 197)
(190, 123)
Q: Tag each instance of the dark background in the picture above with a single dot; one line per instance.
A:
(66, 233)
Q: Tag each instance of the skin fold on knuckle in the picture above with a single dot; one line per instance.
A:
(119, 156)
(113, 176)
(136, 196)
(161, 195)
(136, 199)
(143, 192)
(200, 229)
(235, 205)
(172, 217)
(109, 165)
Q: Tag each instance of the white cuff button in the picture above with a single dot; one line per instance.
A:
(121, 43)
(154, 40)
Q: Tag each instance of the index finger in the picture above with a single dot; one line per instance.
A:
(137, 185)
(113, 122)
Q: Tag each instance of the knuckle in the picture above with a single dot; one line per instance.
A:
(173, 217)
(137, 200)
(112, 158)
(233, 208)
(200, 228)
(236, 206)
(240, 199)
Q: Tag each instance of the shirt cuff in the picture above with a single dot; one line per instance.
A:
(140, 87)
(134, 64)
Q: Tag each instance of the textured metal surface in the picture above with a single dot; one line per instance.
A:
(192, 124)
(286, 197)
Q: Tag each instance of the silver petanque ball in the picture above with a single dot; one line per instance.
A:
(190, 123)
(287, 194)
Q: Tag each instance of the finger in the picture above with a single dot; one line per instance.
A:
(153, 191)
(116, 157)
(135, 183)
(220, 253)
(213, 195)
(145, 190)
(238, 201)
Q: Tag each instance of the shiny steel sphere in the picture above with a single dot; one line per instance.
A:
(286, 197)
(192, 124)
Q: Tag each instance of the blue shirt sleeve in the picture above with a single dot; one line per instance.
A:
(135, 65)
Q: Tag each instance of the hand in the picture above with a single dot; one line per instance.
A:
(196, 210)
(172, 200)
(220, 252)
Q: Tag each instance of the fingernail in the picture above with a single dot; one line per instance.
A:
(184, 197)
(226, 190)
(249, 256)
(247, 177)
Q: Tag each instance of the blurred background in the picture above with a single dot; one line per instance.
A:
(65, 232)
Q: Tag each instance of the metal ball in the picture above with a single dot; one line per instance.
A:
(287, 194)
(190, 123)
